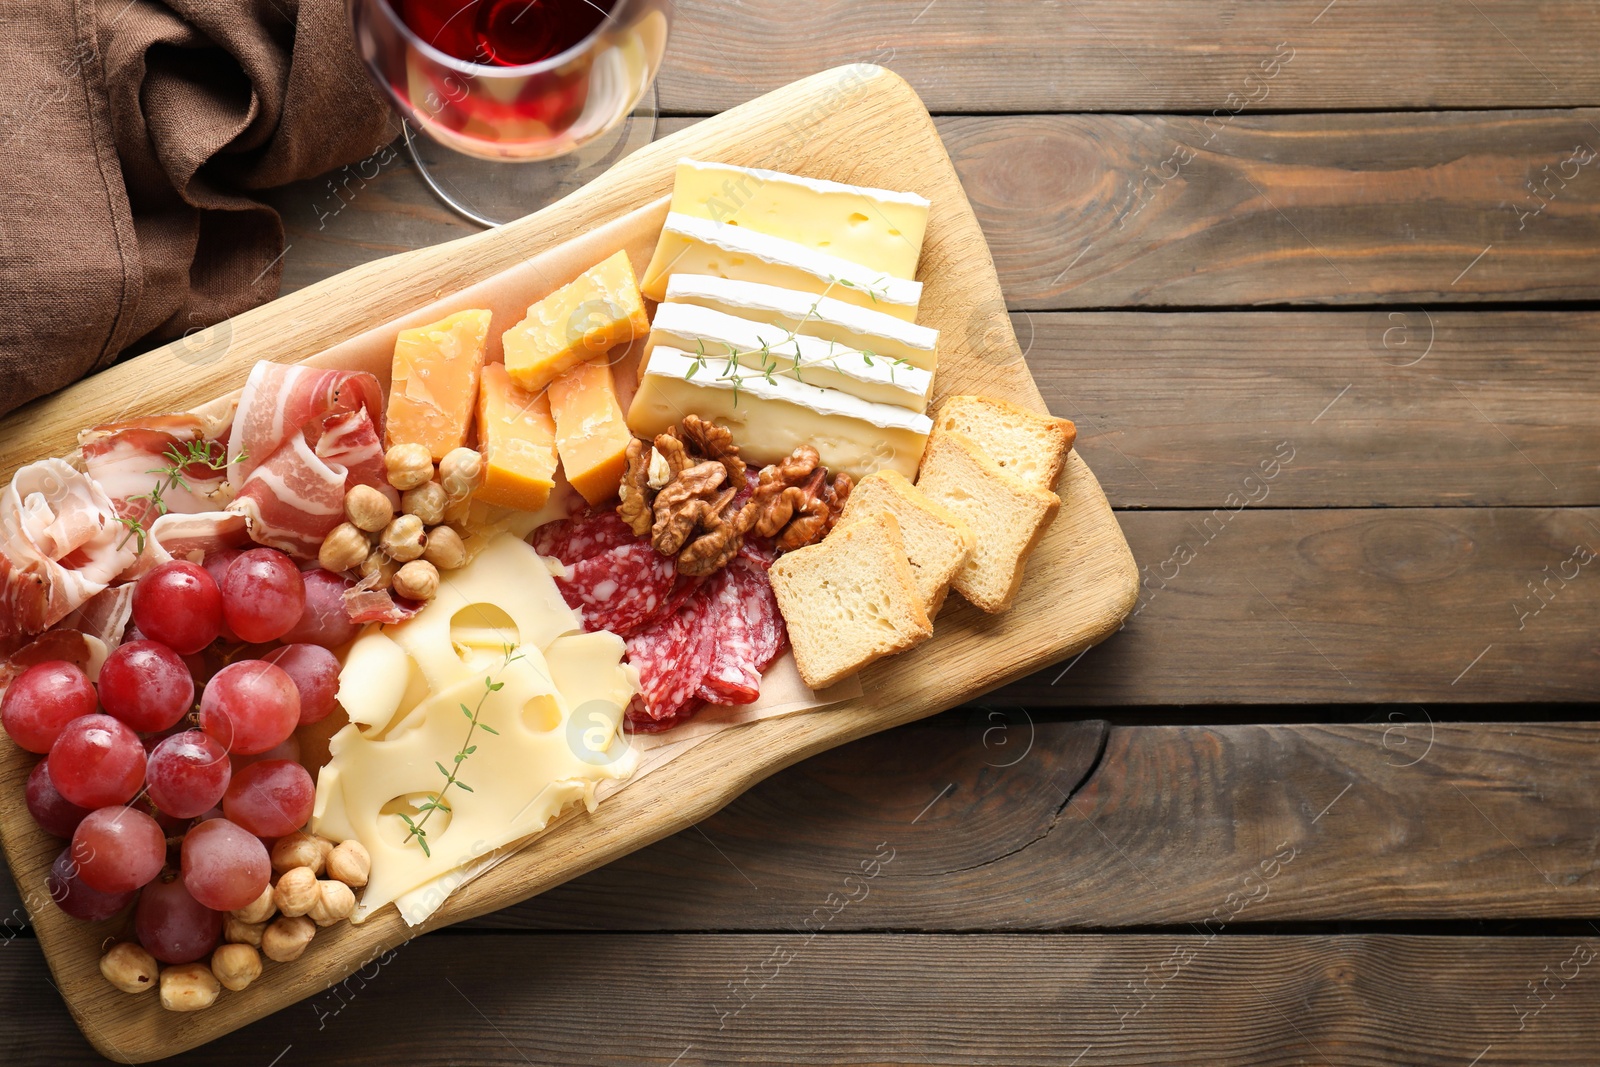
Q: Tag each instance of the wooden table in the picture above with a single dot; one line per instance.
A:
(1327, 331)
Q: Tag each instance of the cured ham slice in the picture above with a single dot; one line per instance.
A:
(60, 544)
(104, 616)
(280, 401)
(301, 438)
(132, 459)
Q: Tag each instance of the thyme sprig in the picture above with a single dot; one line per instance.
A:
(734, 371)
(180, 458)
(416, 828)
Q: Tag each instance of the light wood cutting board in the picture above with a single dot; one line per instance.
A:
(858, 124)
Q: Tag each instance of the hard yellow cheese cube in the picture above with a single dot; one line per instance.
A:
(591, 434)
(435, 382)
(577, 322)
(517, 437)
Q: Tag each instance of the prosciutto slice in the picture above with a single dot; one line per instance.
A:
(60, 544)
(301, 438)
(130, 459)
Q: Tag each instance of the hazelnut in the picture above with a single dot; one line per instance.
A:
(461, 472)
(403, 539)
(129, 967)
(188, 987)
(350, 863)
(379, 564)
(296, 891)
(236, 931)
(236, 966)
(287, 937)
(367, 508)
(343, 549)
(408, 466)
(426, 502)
(445, 549)
(459, 514)
(260, 911)
(335, 901)
(418, 580)
(301, 849)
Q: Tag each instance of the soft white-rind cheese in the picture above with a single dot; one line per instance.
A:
(764, 348)
(700, 246)
(771, 419)
(811, 316)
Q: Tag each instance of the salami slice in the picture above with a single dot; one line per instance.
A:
(749, 633)
(583, 536)
(623, 589)
(672, 656)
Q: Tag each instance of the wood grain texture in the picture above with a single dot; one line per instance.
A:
(1086, 211)
(817, 127)
(1214, 826)
(1401, 407)
(1351, 1001)
(1167, 55)
(1447, 606)
(1115, 210)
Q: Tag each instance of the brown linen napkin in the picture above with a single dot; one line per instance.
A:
(129, 132)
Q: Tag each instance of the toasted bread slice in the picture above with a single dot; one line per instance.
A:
(1009, 516)
(938, 541)
(849, 600)
(1028, 446)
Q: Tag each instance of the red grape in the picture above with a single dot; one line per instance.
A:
(315, 673)
(324, 621)
(73, 896)
(217, 563)
(272, 798)
(97, 761)
(263, 595)
(42, 700)
(146, 685)
(118, 849)
(224, 866)
(173, 926)
(187, 774)
(54, 813)
(179, 605)
(250, 706)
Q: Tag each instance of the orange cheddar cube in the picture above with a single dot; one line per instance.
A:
(436, 369)
(517, 437)
(576, 323)
(591, 434)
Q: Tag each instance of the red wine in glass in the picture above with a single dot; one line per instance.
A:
(513, 79)
(503, 33)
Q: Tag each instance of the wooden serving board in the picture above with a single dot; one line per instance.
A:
(858, 124)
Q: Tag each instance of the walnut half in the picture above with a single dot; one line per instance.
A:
(795, 503)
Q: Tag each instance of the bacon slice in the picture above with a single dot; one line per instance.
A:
(300, 440)
(60, 544)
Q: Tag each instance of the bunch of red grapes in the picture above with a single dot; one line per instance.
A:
(163, 801)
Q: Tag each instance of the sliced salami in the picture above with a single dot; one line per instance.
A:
(583, 536)
(672, 656)
(623, 589)
(749, 633)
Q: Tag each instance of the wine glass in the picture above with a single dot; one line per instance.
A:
(513, 81)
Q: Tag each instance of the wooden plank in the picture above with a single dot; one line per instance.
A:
(1114, 210)
(1403, 407)
(883, 999)
(1087, 211)
(1207, 825)
(1082, 582)
(1441, 606)
(1105, 55)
